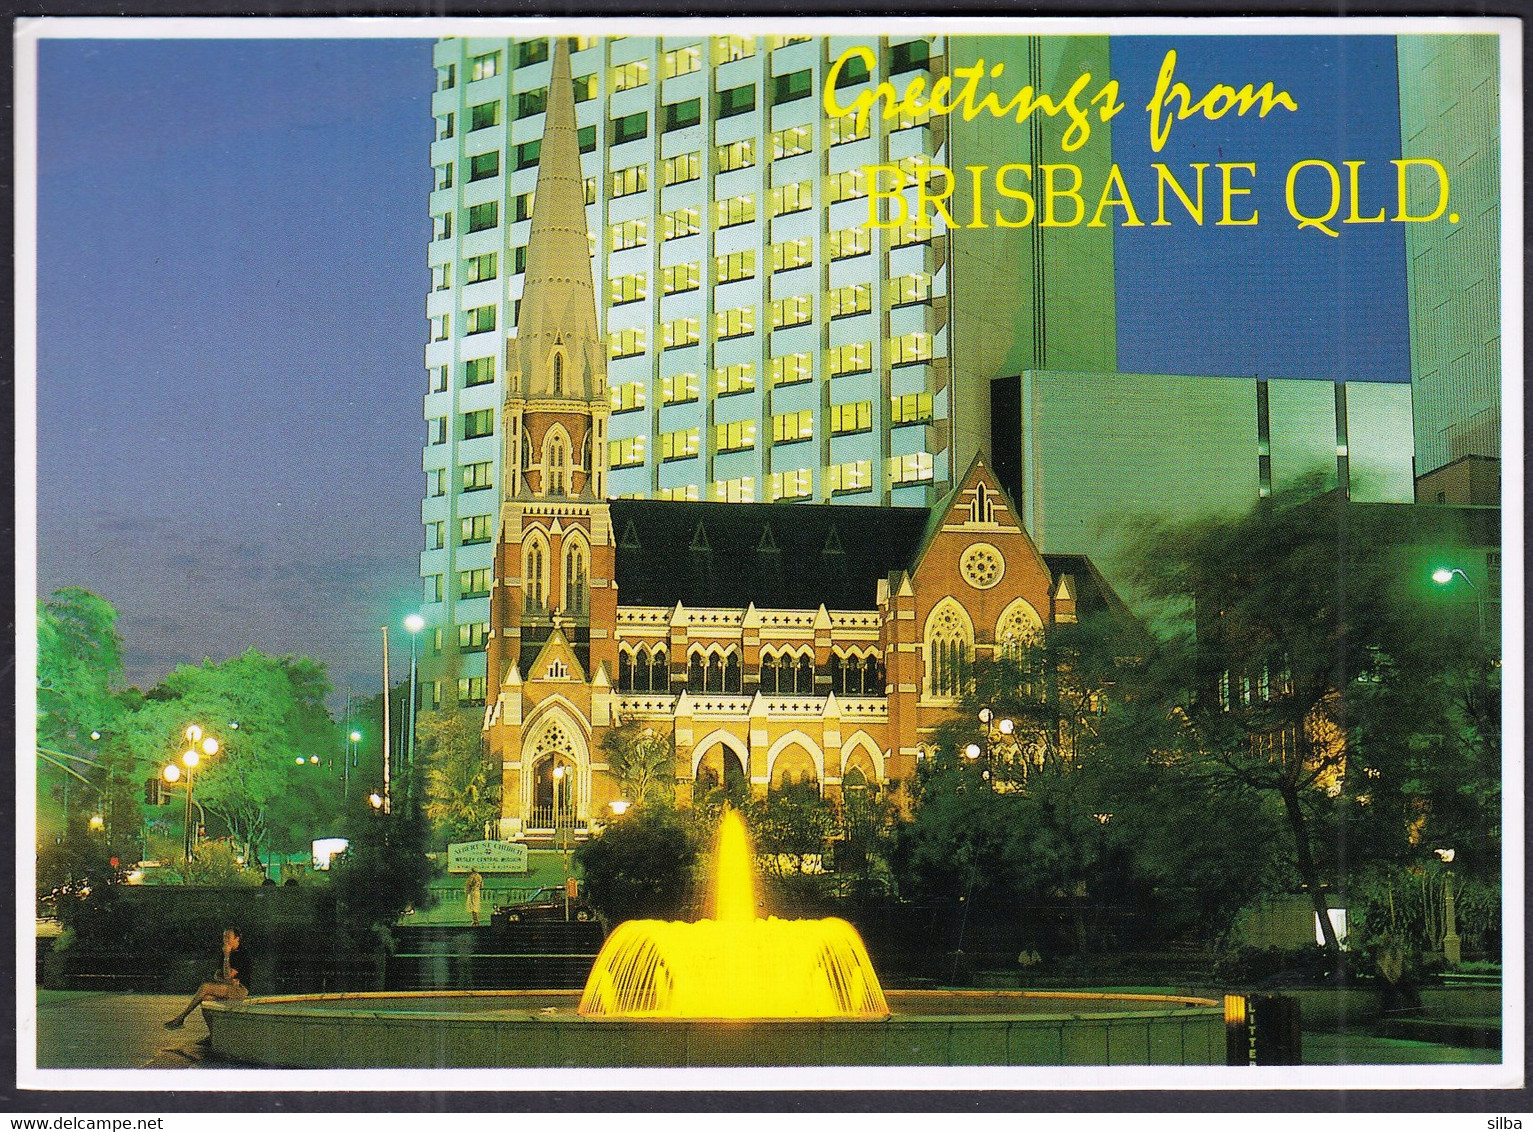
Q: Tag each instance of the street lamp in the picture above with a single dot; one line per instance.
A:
(1452, 946)
(351, 761)
(558, 826)
(1444, 576)
(414, 624)
(198, 744)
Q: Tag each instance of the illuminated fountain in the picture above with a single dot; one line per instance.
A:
(736, 990)
(736, 965)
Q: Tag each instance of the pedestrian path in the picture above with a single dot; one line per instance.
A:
(103, 1030)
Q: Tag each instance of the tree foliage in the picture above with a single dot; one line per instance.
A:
(642, 760)
(462, 788)
(640, 866)
(383, 872)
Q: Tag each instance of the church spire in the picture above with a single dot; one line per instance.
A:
(559, 353)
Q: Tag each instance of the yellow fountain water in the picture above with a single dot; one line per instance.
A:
(735, 965)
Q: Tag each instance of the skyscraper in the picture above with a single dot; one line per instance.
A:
(764, 341)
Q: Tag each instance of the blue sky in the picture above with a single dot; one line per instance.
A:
(232, 241)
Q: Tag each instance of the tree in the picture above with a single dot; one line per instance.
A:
(384, 870)
(640, 866)
(642, 760)
(462, 789)
(790, 827)
(269, 715)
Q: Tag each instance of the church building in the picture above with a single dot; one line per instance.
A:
(771, 643)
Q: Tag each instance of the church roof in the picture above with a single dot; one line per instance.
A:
(777, 555)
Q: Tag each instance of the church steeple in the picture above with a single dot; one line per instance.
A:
(556, 392)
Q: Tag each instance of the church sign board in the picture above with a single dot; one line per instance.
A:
(487, 857)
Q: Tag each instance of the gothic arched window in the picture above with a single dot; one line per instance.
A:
(575, 576)
(554, 466)
(534, 577)
(948, 644)
(982, 510)
(558, 373)
(1017, 631)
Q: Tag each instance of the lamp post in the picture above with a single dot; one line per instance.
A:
(413, 624)
(198, 745)
(1452, 946)
(558, 814)
(997, 733)
(351, 761)
(1444, 576)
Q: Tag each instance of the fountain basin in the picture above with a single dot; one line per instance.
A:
(541, 1030)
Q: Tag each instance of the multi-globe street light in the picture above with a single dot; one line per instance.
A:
(198, 744)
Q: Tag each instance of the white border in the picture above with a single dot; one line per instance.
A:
(1507, 1074)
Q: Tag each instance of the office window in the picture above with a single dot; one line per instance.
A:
(854, 416)
(441, 277)
(686, 492)
(736, 155)
(788, 254)
(441, 226)
(436, 482)
(483, 165)
(679, 278)
(854, 298)
(474, 529)
(478, 476)
(679, 332)
(521, 206)
(437, 378)
(585, 89)
(479, 422)
(728, 48)
(853, 72)
(626, 182)
(681, 222)
(480, 268)
(518, 265)
(441, 327)
(791, 87)
(854, 357)
(443, 173)
(849, 128)
(472, 637)
(910, 118)
(915, 468)
(586, 42)
(625, 453)
(775, 41)
(625, 343)
(787, 199)
(530, 102)
(527, 154)
(431, 589)
(736, 210)
(913, 347)
(793, 311)
(479, 319)
(474, 583)
(912, 56)
(682, 168)
(628, 395)
(479, 371)
(740, 490)
(737, 378)
(734, 323)
(436, 430)
(533, 51)
(790, 485)
(589, 185)
(680, 115)
(627, 76)
(910, 233)
(846, 186)
(443, 126)
(483, 216)
(735, 436)
(471, 691)
(585, 137)
(678, 389)
(855, 476)
(790, 369)
(791, 142)
(790, 427)
(484, 66)
(735, 265)
(630, 128)
(626, 289)
(678, 445)
(436, 535)
(483, 116)
(682, 61)
(909, 289)
(447, 76)
(628, 234)
(849, 242)
(738, 100)
(912, 408)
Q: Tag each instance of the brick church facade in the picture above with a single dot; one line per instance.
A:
(771, 643)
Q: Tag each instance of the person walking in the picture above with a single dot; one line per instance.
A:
(232, 984)
(473, 889)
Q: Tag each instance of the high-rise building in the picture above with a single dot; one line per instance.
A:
(764, 341)
(1450, 112)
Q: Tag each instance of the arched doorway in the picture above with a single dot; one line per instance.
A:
(794, 766)
(720, 767)
(554, 787)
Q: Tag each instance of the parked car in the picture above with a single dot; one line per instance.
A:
(547, 903)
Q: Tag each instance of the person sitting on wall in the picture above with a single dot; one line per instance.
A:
(232, 984)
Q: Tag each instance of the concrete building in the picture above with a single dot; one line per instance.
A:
(1450, 111)
(763, 341)
(1089, 453)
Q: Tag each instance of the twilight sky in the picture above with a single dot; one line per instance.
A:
(232, 241)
